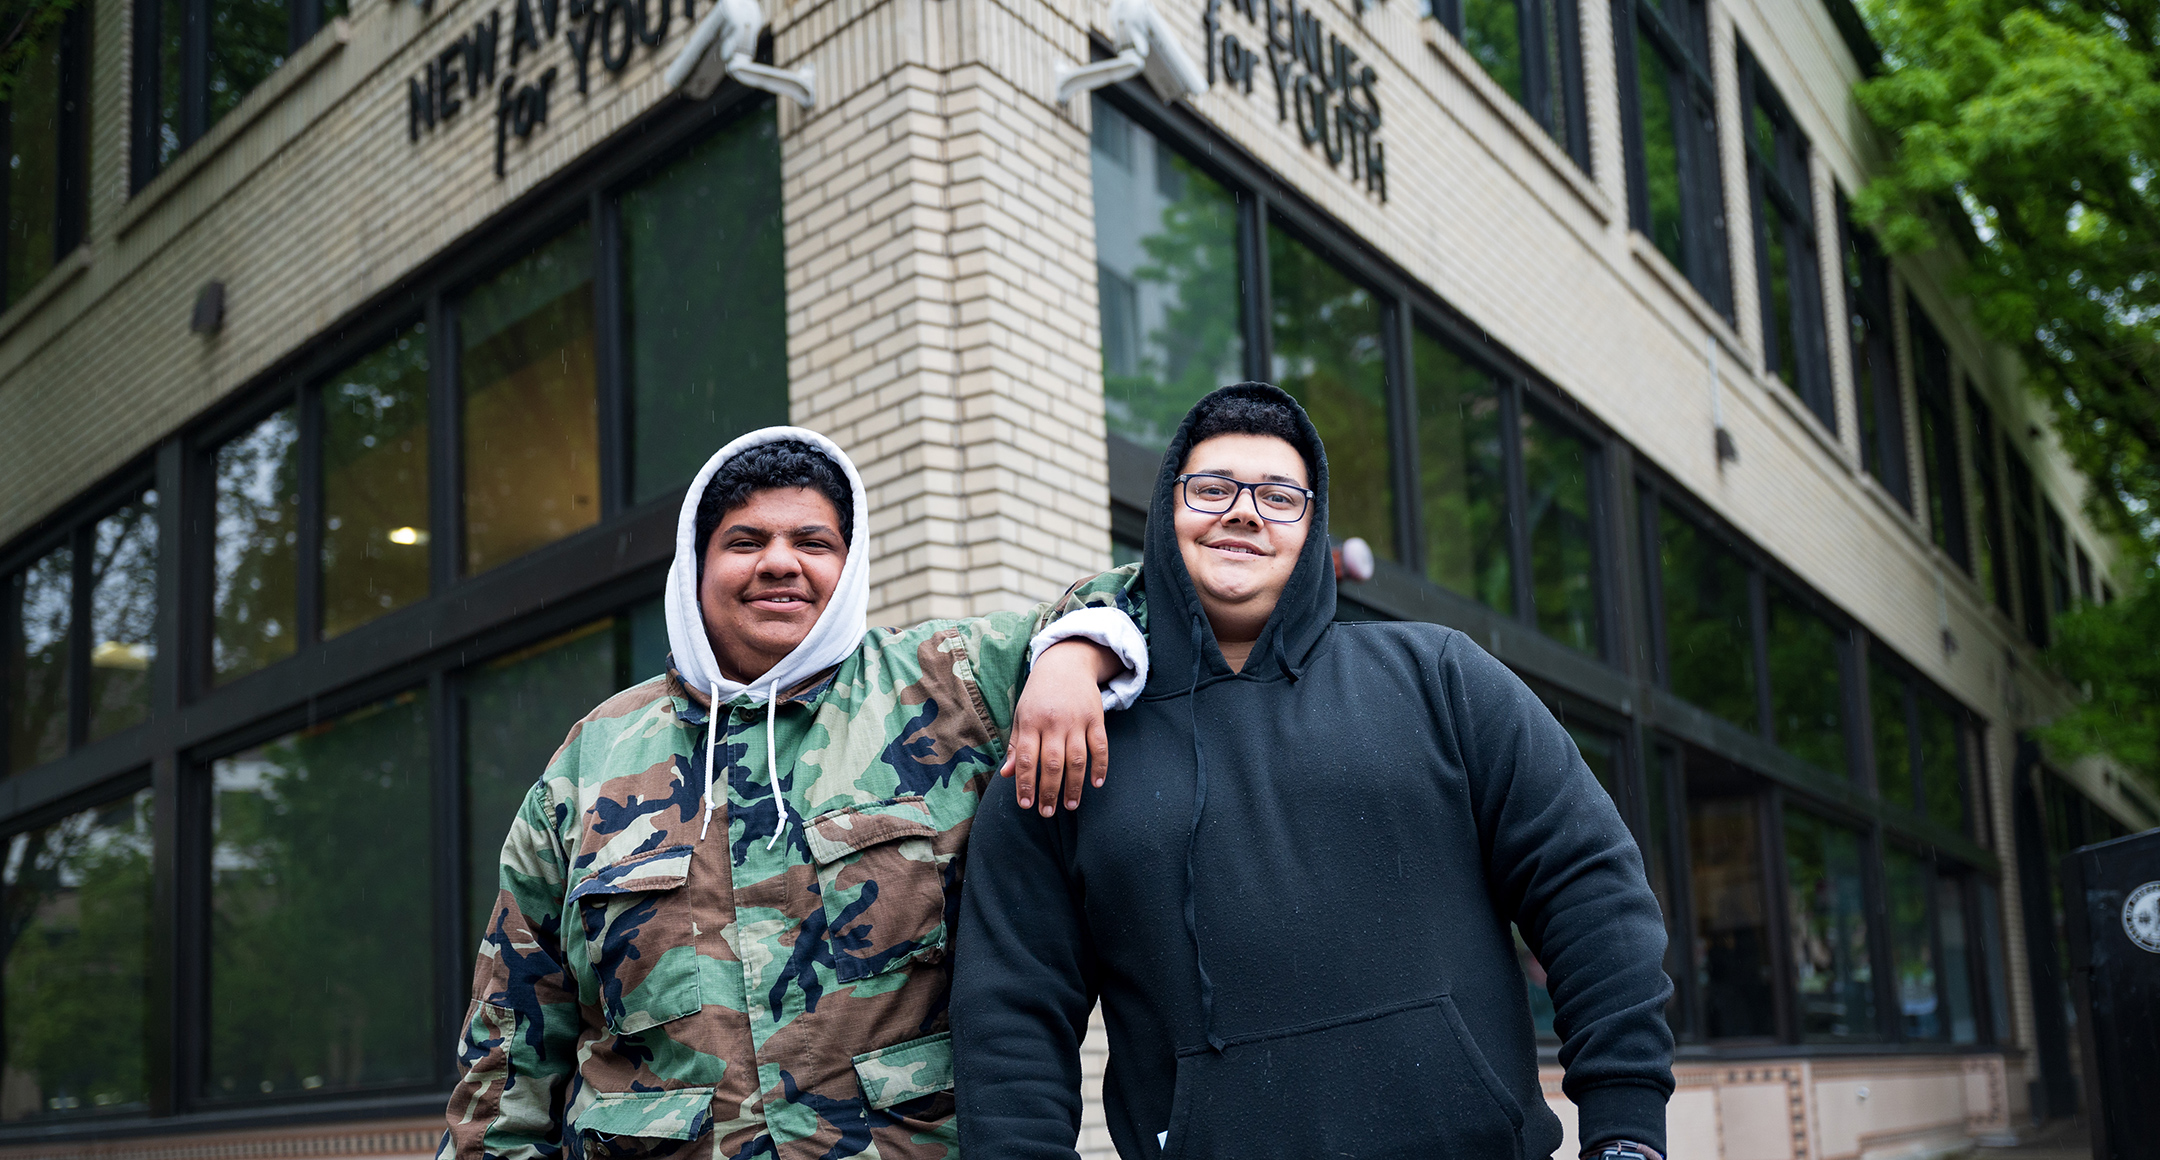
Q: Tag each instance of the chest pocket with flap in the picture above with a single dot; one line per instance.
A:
(883, 886)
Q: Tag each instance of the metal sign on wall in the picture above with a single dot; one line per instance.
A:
(1320, 83)
(463, 74)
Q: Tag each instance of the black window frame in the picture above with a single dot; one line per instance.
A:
(1684, 45)
(601, 571)
(1779, 179)
(1545, 97)
(1870, 327)
(1935, 406)
(71, 204)
(1992, 518)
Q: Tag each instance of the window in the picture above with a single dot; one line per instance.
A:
(1938, 438)
(1734, 968)
(1832, 964)
(80, 622)
(1991, 548)
(1919, 750)
(1330, 357)
(1669, 114)
(706, 330)
(1806, 684)
(257, 547)
(195, 60)
(77, 964)
(1879, 412)
(2084, 575)
(1557, 469)
(1788, 276)
(1166, 252)
(44, 183)
(1709, 654)
(1908, 889)
(2060, 594)
(1462, 471)
(1533, 48)
(315, 866)
(375, 484)
(2025, 545)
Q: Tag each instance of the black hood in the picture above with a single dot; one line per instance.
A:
(1182, 653)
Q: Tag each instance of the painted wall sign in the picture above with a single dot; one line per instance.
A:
(457, 76)
(1320, 83)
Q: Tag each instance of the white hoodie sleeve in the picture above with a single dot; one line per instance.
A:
(1114, 631)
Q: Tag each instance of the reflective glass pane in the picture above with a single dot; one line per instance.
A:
(1829, 928)
(1661, 153)
(1492, 32)
(517, 710)
(172, 18)
(40, 611)
(31, 178)
(1462, 474)
(1806, 691)
(1167, 270)
(1731, 925)
(1908, 882)
(1601, 752)
(1563, 553)
(1942, 765)
(123, 616)
(527, 371)
(375, 484)
(1779, 324)
(247, 44)
(317, 864)
(1893, 735)
(77, 953)
(258, 536)
(648, 639)
(1957, 961)
(1330, 357)
(704, 303)
(1988, 904)
(1709, 648)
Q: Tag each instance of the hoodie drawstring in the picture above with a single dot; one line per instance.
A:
(772, 764)
(1192, 840)
(772, 759)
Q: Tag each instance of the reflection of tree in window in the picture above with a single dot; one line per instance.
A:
(76, 943)
(247, 44)
(1731, 925)
(517, 710)
(30, 170)
(1893, 735)
(532, 436)
(258, 532)
(1777, 275)
(1960, 1013)
(1806, 698)
(39, 614)
(1829, 928)
(1492, 31)
(1661, 152)
(123, 615)
(316, 863)
(1328, 355)
(704, 303)
(375, 484)
(1463, 489)
(1563, 564)
(1166, 253)
(1709, 650)
(1942, 764)
(1907, 882)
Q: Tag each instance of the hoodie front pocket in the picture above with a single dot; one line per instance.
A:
(640, 940)
(882, 885)
(1390, 1082)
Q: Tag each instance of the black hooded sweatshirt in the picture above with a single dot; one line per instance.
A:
(1292, 899)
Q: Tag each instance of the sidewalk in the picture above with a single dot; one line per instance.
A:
(2067, 1140)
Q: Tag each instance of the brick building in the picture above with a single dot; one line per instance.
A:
(353, 359)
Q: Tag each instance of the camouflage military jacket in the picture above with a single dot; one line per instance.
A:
(642, 992)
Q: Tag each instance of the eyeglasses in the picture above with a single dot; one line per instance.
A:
(1277, 503)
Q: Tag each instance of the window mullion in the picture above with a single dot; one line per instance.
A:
(1402, 422)
(446, 492)
(1511, 438)
(307, 565)
(450, 945)
(1259, 317)
(1759, 636)
(194, 70)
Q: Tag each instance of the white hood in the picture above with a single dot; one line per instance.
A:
(839, 628)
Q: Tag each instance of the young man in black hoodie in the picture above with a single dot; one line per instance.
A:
(1293, 901)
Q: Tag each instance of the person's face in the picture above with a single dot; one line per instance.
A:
(770, 569)
(1238, 560)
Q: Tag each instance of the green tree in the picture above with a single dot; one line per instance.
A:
(25, 26)
(2025, 140)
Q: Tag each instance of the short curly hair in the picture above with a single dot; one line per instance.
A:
(784, 463)
(1246, 415)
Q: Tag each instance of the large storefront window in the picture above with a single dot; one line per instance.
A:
(1462, 468)
(1166, 252)
(41, 611)
(1557, 469)
(76, 954)
(1709, 644)
(257, 547)
(1832, 966)
(1734, 969)
(315, 868)
(1807, 700)
(375, 529)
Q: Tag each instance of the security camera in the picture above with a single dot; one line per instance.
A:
(1145, 49)
(723, 45)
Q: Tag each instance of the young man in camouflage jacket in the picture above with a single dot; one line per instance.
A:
(731, 941)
